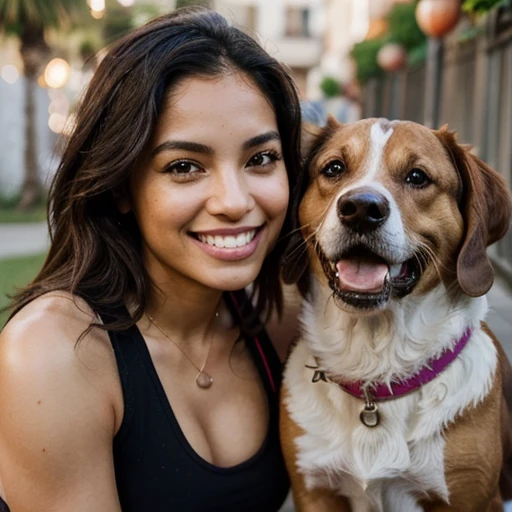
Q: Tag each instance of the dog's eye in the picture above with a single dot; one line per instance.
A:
(333, 169)
(417, 178)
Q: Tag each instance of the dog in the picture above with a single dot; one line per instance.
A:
(396, 396)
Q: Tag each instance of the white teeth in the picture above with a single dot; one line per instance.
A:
(394, 270)
(229, 242)
(241, 239)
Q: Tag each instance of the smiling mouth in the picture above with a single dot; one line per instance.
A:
(364, 280)
(233, 241)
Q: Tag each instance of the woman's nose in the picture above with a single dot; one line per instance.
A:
(230, 195)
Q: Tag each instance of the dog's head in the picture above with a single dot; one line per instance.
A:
(390, 209)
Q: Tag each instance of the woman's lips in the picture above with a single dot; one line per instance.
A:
(237, 245)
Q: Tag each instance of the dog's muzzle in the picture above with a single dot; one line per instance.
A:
(363, 275)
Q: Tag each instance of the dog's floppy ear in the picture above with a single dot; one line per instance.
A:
(295, 260)
(312, 135)
(486, 208)
(309, 134)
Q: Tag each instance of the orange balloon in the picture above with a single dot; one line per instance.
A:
(437, 17)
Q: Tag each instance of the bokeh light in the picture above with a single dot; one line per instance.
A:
(56, 73)
(42, 82)
(97, 8)
(10, 73)
(56, 122)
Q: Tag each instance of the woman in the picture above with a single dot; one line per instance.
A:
(134, 372)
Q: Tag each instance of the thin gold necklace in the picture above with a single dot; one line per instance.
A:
(203, 380)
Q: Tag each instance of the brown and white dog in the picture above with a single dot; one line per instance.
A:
(395, 396)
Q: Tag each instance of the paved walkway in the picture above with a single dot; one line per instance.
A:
(24, 239)
(500, 313)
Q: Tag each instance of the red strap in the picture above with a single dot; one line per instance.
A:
(258, 345)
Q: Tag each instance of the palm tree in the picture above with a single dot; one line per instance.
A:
(29, 20)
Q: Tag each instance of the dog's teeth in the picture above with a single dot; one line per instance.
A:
(394, 270)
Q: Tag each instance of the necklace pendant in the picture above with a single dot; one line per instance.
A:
(370, 415)
(203, 380)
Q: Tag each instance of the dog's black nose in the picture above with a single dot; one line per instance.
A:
(363, 209)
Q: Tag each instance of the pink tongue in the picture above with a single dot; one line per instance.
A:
(361, 276)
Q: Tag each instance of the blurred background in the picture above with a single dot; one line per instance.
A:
(430, 61)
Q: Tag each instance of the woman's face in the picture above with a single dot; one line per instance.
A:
(211, 193)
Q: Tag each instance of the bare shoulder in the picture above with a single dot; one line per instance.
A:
(283, 331)
(59, 396)
(48, 346)
(46, 333)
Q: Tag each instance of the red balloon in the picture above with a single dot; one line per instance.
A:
(437, 17)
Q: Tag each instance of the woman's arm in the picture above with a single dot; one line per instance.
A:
(57, 403)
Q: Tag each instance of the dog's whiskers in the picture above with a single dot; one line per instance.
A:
(425, 254)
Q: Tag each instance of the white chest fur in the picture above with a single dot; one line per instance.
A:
(386, 467)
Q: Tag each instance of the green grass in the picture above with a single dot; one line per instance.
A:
(9, 211)
(8, 215)
(14, 274)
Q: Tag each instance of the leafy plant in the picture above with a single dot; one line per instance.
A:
(482, 6)
(403, 27)
(418, 55)
(330, 87)
(365, 56)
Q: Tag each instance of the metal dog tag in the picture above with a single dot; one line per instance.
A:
(370, 415)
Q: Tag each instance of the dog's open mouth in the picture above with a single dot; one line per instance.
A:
(365, 280)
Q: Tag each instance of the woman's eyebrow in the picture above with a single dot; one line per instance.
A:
(182, 145)
(261, 139)
(195, 147)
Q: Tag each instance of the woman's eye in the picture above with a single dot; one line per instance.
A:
(334, 169)
(417, 178)
(182, 167)
(263, 159)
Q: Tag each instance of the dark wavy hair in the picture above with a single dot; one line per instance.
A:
(95, 251)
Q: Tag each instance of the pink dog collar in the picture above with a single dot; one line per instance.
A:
(375, 392)
(381, 391)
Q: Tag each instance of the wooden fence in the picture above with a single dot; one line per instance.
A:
(475, 100)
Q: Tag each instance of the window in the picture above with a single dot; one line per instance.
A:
(297, 22)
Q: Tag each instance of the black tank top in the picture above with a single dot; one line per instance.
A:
(158, 471)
